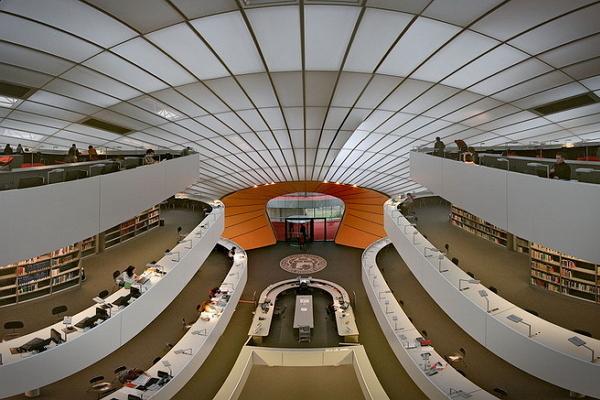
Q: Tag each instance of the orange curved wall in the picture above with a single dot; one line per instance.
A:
(247, 222)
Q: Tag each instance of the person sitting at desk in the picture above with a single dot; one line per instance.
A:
(560, 169)
(128, 277)
(130, 375)
(92, 153)
(231, 254)
(149, 157)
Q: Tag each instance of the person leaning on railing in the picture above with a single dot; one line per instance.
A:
(149, 157)
(560, 169)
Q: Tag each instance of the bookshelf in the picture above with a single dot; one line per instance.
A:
(89, 246)
(144, 222)
(477, 226)
(565, 274)
(40, 276)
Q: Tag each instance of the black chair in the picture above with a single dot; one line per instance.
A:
(13, 326)
(582, 332)
(157, 359)
(99, 386)
(460, 371)
(455, 260)
(532, 312)
(103, 294)
(424, 333)
(401, 302)
(472, 275)
(74, 174)
(31, 181)
(493, 289)
(58, 310)
(115, 275)
(500, 393)
(110, 168)
(118, 371)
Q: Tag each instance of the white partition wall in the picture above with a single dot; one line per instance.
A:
(563, 215)
(547, 353)
(199, 339)
(401, 335)
(38, 220)
(23, 372)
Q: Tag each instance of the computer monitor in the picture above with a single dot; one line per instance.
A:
(55, 336)
(101, 313)
(122, 301)
(35, 344)
(135, 292)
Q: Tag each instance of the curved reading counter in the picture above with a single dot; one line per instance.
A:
(536, 346)
(60, 214)
(436, 378)
(26, 371)
(188, 355)
(344, 316)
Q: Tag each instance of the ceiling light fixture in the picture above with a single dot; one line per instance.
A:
(170, 115)
(6, 101)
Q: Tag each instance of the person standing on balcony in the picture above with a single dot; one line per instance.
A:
(439, 147)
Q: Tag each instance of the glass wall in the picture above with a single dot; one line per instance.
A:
(317, 216)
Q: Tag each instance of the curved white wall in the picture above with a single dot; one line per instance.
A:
(184, 366)
(548, 354)
(38, 220)
(446, 384)
(563, 215)
(83, 348)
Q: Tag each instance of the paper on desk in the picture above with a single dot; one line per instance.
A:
(141, 380)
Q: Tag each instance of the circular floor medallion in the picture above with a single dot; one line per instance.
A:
(303, 264)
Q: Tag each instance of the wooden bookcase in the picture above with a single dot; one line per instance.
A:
(477, 226)
(40, 276)
(146, 221)
(563, 273)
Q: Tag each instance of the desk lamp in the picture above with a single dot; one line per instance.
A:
(383, 291)
(387, 302)
(408, 226)
(578, 342)
(484, 295)
(200, 332)
(187, 352)
(432, 249)
(173, 253)
(395, 319)
(167, 364)
(516, 319)
(472, 281)
(440, 259)
(187, 241)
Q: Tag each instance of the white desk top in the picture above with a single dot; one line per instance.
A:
(200, 338)
(345, 321)
(94, 344)
(405, 333)
(494, 330)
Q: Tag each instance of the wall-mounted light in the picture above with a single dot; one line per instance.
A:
(472, 281)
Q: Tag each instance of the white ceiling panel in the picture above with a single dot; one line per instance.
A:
(181, 43)
(421, 40)
(125, 72)
(469, 10)
(259, 88)
(43, 38)
(461, 50)
(559, 31)
(79, 92)
(572, 53)
(486, 65)
(230, 93)
(149, 58)
(53, 99)
(518, 16)
(521, 72)
(102, 83)
(32, 59)
(327, 34)
(229, 37)
(74, 17)
(277, 31)
(377, 32)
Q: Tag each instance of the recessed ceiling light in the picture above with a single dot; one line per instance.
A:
(8, 102)
(325, 181)
(337, 183)
(170, 115)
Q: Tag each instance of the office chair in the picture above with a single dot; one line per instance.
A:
(58, 310)
(501, 393)
(582, 332)
(424, 333)
(472, 275)
(103, 294)
(157, 359)
(13, 326)
(454, 260)
(99, 386)
(117, 371)
(29, 182)
(493, 289)
(532, 312)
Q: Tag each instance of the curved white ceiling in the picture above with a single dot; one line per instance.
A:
(290, 90)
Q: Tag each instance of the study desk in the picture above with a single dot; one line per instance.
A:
(547, 354)
(344, 315)
(26, 371)
(436, 378)
(190, 352)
